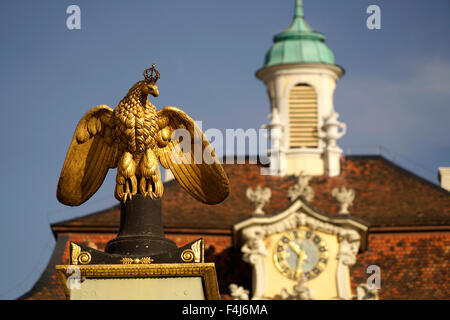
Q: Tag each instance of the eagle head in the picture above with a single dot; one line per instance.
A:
(149, 88)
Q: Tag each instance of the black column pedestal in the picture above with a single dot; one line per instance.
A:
(141, 229)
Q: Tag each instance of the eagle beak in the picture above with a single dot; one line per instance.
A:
(155, 91)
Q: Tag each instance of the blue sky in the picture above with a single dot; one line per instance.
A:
(395, 93)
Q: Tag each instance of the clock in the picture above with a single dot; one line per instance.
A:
(300, 254)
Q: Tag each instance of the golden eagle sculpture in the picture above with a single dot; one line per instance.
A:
(133, 137)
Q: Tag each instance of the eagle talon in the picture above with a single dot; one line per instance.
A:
(158, 190)
(143, 187)
(123, 192)
(150, 189)
(134, 185)
(119, 192)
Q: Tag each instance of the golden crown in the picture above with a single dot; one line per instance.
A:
(151, 74)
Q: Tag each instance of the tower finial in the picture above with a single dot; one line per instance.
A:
(299, 8)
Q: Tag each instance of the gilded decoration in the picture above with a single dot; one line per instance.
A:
(187, 255)
(191, 252)
(194, 254)
(133, 138)
(77, 256)
(143, 260)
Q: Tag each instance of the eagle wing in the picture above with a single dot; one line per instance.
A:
(91, 153)
(194, 164)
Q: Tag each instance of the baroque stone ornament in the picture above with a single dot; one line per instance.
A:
(345, 198)
(254, 252)
(238, 292)
(133, 137)
(276, 128)
(301, 292)
(363, 292)
(259, 197)
(348, 249)
(333, 129)
(301, 188)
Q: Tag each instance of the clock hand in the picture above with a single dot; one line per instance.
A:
(295, 247)
(301, 257)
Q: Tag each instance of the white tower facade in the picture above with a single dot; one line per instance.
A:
(300, 76)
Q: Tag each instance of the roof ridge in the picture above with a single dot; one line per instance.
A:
(409, 172)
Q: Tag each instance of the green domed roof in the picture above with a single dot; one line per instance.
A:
(299, 43)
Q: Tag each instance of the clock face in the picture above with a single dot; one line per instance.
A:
(300, 253)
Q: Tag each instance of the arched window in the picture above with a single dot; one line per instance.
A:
(303, 117)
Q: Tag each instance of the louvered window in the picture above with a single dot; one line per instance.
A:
(303, 117)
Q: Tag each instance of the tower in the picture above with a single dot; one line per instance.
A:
(300, 75)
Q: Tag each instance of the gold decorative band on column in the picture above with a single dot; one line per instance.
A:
(143, 260)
